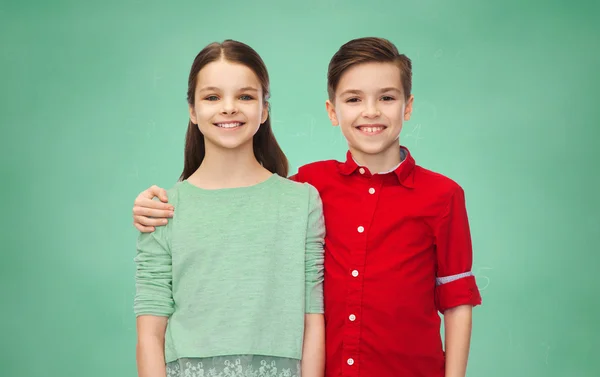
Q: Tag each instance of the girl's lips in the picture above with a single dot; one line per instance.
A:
(231, 125)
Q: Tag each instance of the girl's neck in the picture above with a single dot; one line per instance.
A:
(228, 168)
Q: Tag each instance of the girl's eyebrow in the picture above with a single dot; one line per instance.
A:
(215, 89)
(209, 88)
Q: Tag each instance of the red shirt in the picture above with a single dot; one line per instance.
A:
(397, 252)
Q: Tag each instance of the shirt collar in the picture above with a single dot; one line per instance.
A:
(403, 170)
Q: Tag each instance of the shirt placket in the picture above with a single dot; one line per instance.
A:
(367, 197)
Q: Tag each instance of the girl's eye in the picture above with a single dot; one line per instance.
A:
(246, 97)
(212, 98)
(387, 98)
(352, 100)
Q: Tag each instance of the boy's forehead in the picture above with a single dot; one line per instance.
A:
(369, 76)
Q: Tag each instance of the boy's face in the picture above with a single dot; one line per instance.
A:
(370, 106)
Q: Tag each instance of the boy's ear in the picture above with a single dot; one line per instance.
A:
(265, 113)
(331, 112)
(192, 111)
(409, 107)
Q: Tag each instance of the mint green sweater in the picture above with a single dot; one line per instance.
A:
(235, 270)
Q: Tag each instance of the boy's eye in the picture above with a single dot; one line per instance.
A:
(246, 97)
(387, 98)
(212, 98)
(352, 99)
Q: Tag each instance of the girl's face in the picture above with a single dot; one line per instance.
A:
(228, 106)
(370, 107)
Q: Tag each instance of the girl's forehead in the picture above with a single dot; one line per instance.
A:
(226, 73)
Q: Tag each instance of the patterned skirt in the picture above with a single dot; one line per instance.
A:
(234, 366)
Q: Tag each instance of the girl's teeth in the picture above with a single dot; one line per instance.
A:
(229, 125)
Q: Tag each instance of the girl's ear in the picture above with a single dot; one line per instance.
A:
(331, 112)
(265, 113)
(192, 111)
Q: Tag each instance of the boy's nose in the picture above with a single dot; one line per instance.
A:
(371, 111)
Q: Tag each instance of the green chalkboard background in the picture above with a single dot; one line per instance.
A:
(93, 111)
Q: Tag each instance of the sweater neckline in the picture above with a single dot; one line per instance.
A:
(241, 189)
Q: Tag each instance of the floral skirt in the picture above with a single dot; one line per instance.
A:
(234, 366)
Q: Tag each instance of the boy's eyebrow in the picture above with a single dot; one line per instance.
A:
(391, 89)
(388, 89)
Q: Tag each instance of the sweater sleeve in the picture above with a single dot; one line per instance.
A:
(154, 294)
(314, 256)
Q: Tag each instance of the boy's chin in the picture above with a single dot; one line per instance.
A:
(370, 149)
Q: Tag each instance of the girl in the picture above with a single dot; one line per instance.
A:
(232, 285)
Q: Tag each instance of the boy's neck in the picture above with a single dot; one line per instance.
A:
(227, 168)
(381, 162)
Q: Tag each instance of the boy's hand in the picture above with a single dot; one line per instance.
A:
(148, 213)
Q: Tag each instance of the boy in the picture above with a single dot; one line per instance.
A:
(398, 246)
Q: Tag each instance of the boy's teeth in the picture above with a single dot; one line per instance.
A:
(229, 125)
(372, 129)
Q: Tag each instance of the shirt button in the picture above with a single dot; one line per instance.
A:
(355, 273)
(361, 171)
(350, 361)
(371, 190)
(361, 229)
(352, 317)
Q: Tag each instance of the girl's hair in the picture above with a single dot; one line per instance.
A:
(266, 148)
(367, 50)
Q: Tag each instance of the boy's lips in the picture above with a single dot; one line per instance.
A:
(371, 129)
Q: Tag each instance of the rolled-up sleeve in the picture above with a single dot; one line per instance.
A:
(455, 282)
(154, 295)
(315, 238)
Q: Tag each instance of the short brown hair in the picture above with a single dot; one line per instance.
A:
(367, 50)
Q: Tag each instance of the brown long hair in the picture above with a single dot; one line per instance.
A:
(366, 50)
(266, 148)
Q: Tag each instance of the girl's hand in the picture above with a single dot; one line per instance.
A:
(148, 213)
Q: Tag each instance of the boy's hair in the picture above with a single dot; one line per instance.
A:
(266, 148)
(367, 50)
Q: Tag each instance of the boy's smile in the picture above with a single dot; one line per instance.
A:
(371, 129)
